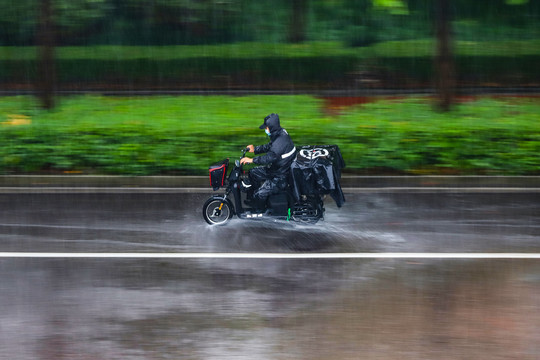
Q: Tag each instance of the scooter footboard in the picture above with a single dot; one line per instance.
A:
(279, 203)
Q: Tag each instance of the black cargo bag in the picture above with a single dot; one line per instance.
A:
(218, 171)
(316, 170)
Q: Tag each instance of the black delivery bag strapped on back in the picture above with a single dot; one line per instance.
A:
(316, 170)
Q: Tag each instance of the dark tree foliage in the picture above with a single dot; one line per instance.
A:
(161, 22)
(354, 23)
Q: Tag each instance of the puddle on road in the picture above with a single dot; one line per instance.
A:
(367, 223)
(262, 236)
(349, 229)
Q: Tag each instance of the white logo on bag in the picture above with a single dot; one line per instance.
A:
(314, 153)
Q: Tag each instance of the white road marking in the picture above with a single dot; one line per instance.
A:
(141, 255)
(199, 190)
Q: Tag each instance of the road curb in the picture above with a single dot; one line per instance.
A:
(200, 183)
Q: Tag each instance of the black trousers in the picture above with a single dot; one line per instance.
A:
(264, 183)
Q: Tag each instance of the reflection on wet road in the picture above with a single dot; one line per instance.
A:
(427, 222)
(273, 308)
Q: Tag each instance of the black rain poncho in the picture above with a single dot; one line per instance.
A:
(279, 152)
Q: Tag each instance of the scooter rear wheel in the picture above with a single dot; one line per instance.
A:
(217, 211)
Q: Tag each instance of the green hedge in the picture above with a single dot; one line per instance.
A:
(201, 70)
(275, 72)
(183, 135)
(327, 65)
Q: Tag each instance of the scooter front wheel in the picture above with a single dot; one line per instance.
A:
(217, 211)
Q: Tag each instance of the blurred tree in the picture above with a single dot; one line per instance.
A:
(444, 63)
(298, 21)
(46, 78)
(64, 17)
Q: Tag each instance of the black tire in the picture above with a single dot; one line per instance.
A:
(213, 215)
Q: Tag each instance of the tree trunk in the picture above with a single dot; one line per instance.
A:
(46, 74)
(445, 79)
(297, 32)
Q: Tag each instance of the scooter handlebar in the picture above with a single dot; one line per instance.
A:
(244, 151)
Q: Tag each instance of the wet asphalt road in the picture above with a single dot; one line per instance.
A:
(270, 308)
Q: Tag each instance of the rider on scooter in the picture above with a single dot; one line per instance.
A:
(272, 176)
